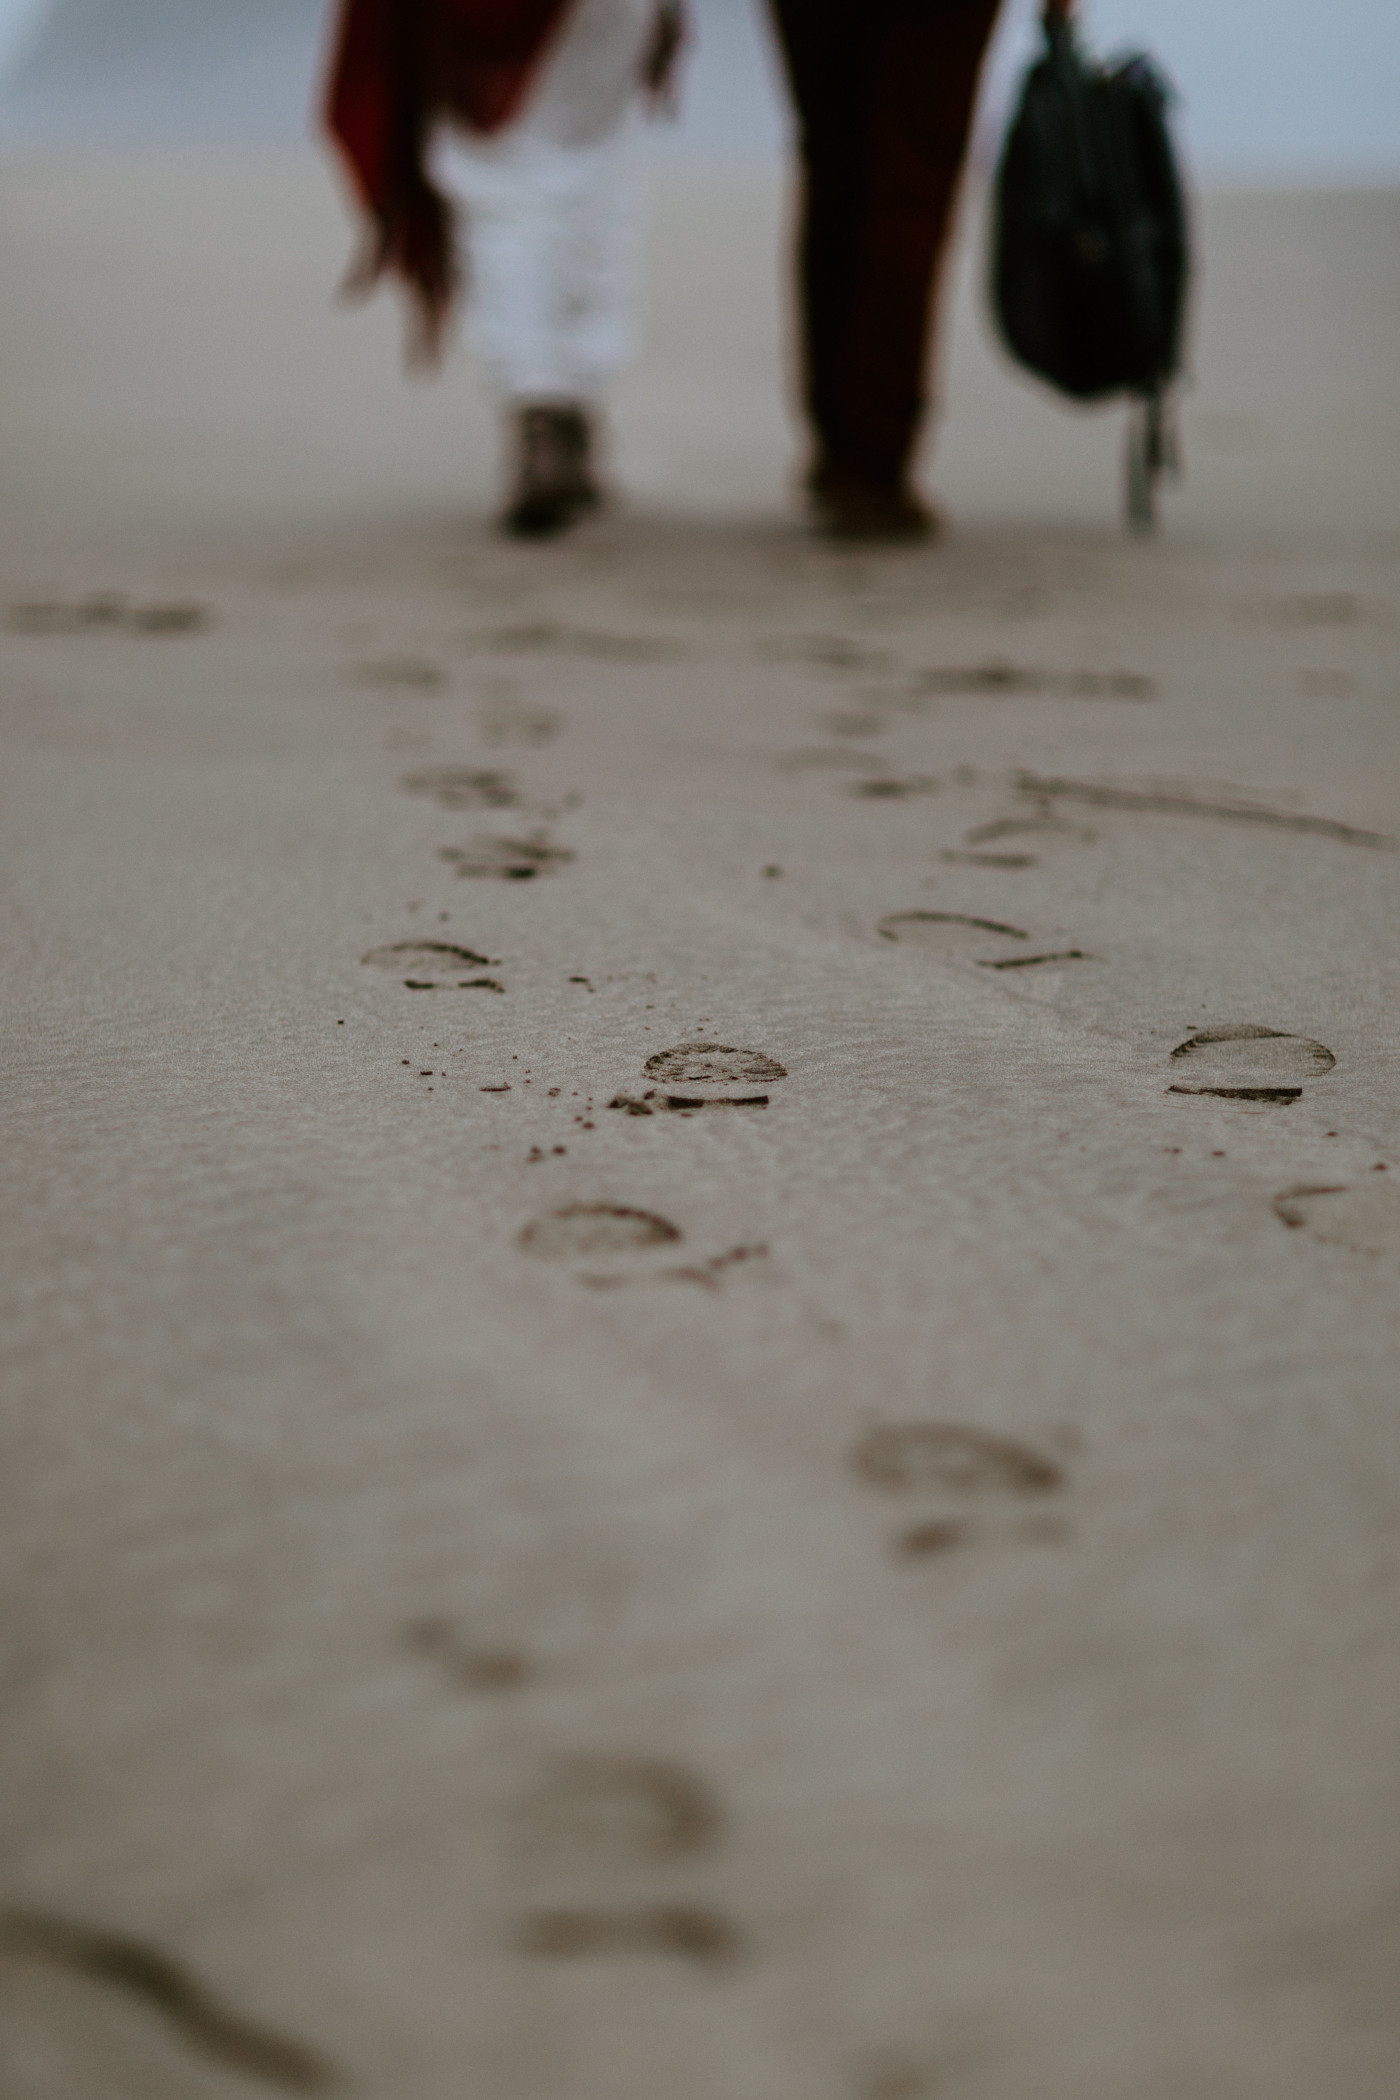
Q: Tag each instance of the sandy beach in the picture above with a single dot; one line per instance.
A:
(702, 1246)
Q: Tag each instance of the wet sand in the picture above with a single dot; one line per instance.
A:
(703, 1234)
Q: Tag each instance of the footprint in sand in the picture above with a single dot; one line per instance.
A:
(1229, 807)
(840, 759)
(593, 645)
(855, 722)
(593, 1830)
(695, 1077)
(1018, 841)
(894, 787)
(587, 1230)
(606, 1232)
(953, 936)
(710, 1275)
(411, 674)
(690, 1932)
(713, 1064)
(999, 679)
(602, 1812)
(1243, 1062)
(433, 966)
(505, 860)
(960, 1474)
(824, 652)
(171, 1993)
(107, 612)
(462, 787)
(468, 1665)
(1362, 1216)
(504, 718)
(965, 859)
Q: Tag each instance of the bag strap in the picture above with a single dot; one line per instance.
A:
(1153, 449)
(1058, 23)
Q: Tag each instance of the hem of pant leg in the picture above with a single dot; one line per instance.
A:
(546, 397)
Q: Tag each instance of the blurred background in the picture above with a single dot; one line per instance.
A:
(1273, 92)
(173, 235)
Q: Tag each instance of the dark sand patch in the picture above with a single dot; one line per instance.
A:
(592, 644)
(1000, 679)
(470, 1666)
(412, 674)
(689, 1932)
(107, 612)
(167, 1988)
(895, 787)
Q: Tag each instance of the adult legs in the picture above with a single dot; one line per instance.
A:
(885, 92)
(551, 241)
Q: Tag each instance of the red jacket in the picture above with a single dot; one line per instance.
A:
(398, 67)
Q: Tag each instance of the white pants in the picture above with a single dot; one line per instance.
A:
(551, 216)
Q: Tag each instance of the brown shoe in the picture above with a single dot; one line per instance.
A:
(554, 481)
(849, 508)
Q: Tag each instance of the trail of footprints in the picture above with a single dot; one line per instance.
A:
(716, 1077)
(606, 1845)
(613, 1847)
(610, 1844)
(1244, 1061)
(490, 856)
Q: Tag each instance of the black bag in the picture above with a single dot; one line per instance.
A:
(1090, 256)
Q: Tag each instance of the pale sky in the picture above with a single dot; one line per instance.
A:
(1270, 89)
(1271, 86)
(16, 16)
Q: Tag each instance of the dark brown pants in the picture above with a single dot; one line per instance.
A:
(884, 92)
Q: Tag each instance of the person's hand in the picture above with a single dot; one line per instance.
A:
(659, 67)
